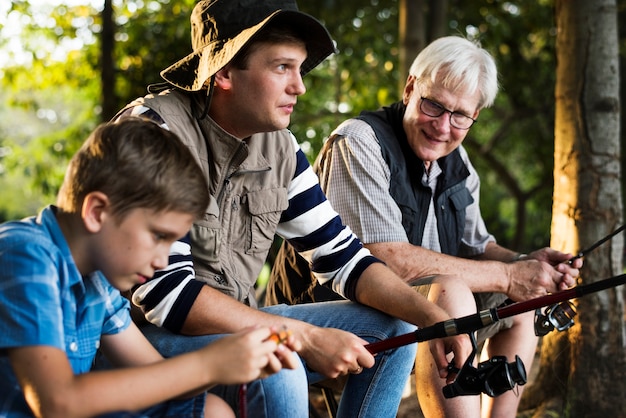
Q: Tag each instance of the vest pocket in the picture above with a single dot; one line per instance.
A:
(206, 235)
(461, 199)
(205, 243)
(265, 207)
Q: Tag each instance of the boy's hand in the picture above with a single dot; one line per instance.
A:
(251, 354)
(286, 345)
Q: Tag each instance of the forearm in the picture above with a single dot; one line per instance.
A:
(411, 262)
(53, 390)
(496, 252)
(140, 387)
(379, 288)
(216, 313)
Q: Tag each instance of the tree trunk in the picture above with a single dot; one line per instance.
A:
(582, 371)
(438, 19)
(107, 42)
(420, 22)
(412, 35)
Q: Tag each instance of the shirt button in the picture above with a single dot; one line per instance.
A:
(73, 346)
(97, 344)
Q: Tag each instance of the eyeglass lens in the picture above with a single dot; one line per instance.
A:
(434, 109)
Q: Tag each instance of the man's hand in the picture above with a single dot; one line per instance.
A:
(542, 272)
(333, 352)
(459, 346)
(561, 263)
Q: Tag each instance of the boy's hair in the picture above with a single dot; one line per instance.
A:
(137, 164)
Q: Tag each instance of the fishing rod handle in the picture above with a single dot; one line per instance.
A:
(450, 327)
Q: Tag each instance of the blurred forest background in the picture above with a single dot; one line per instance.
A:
(51, 95)
(64, 70)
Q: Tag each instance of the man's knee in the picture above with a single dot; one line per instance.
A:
(449, 292)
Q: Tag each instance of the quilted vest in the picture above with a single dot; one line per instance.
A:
(406, 188)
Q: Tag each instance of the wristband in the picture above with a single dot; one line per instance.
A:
(520, 256)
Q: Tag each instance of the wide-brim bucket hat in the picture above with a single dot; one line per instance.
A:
(221, 28)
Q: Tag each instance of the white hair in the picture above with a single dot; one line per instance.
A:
(459, 65)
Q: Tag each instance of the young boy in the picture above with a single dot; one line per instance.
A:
(129, 193)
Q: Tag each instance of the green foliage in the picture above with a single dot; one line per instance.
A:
(512, 145)
(50, 104)
(361, 76)
(36, 147)
(150, 36)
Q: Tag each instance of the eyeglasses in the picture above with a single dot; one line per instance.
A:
(457, 120)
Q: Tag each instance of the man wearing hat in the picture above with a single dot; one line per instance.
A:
(230, 101)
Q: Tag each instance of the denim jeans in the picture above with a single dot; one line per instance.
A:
(176, 408)
(376, 392)
(184, 408)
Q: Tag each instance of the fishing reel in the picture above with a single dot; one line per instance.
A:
(559, 316)
(492, 377)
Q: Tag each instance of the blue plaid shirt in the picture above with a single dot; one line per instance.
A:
(45, 301)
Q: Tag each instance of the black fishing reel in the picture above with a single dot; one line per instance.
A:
(492, 377)
(559, 316)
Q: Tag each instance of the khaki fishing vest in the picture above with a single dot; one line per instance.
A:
(248, 181)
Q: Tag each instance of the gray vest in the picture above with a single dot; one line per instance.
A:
(406, 188)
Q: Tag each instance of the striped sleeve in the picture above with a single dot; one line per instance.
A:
(143, 112)
(315, 230)
(166, 299)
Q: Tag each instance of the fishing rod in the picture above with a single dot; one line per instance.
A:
(560, 316)
(495, 376)
(474, 322)
(595, 245)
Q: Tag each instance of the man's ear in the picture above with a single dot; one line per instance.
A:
(409, 88)
(96, 208)
(223, 79)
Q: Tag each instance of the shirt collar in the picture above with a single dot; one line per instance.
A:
(48, 221)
